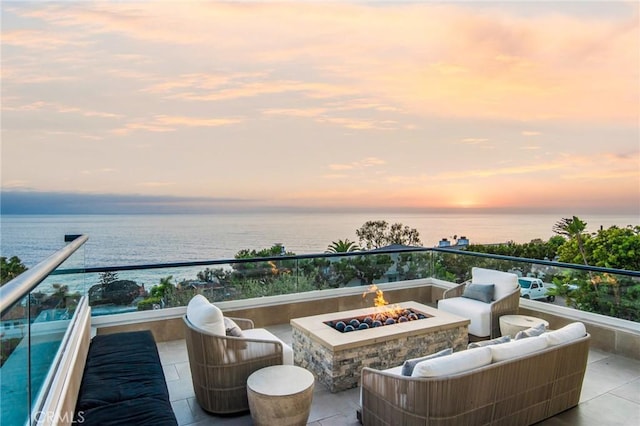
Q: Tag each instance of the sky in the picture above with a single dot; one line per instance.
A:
(416, 106)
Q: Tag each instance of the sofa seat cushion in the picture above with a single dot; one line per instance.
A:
(517, 348)
(123, 383)
(505, 282)
(120, 367)
(262, 334)
(146, 411)
(478, 312)
(205, 315)
(457, 362)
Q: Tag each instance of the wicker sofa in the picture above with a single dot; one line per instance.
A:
(519, 391)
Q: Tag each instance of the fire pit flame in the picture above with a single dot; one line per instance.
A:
(380, 302)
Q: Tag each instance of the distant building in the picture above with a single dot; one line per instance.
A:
(461, 243)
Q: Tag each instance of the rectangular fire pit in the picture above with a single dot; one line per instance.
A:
(336, 358)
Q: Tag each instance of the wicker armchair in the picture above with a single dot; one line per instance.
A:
(220, 365)
(508, 304)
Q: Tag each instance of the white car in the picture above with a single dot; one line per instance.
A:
(534, 288)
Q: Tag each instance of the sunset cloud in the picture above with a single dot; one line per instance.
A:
(410, 103)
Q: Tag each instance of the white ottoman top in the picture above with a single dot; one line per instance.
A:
(280, 380)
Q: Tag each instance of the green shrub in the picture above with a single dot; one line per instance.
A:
(147, 304)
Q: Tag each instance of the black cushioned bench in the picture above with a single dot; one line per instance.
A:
(123, 383)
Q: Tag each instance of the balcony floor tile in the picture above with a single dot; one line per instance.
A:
(610, 393)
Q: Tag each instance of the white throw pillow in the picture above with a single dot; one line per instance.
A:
(205, 315)
(517, 348)
(457, 362)
(569, 332)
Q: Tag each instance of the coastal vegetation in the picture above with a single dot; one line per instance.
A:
(603, 293)
(11, 268)
(272, 271)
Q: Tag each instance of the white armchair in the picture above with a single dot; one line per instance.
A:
(484, 315)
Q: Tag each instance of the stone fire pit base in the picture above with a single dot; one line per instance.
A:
(336, 359)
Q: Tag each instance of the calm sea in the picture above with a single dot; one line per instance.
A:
(140, 239)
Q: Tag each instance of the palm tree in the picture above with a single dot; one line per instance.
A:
(342, 246)
(572, 228)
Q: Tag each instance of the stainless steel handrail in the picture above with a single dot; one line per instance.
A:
(20, 286)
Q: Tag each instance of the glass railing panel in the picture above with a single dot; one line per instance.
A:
(146, 287)
(130, 290)
(31, 333)
(455, 266)
(53, 304)
(14, 364)
(607, 293)
(134, 288)
(603, 291)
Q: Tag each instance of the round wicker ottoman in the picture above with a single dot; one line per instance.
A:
(511, 324)
(280, 395)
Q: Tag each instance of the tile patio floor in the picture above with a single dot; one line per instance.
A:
(610, 393)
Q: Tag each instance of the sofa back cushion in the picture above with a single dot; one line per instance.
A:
(517, 348)
(504, 282)
(496, 341)
(205, 315)
(530, 332)
(410, 364)
(457, 362)
(569, 332)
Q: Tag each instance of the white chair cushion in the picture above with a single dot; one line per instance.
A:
(263, 334)
(478, 312)
(569, 332)
(517, 348)
(205, 316)
(397, 370)
(505, 282)
(457, 362)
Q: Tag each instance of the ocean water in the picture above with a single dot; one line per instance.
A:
(116, 240)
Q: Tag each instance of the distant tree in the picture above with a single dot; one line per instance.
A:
(535, 249)
(342, 246)
(214, 275)
(10, 269)
(370, 268)
(377, 233)
(263, 269)
(615, 248)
